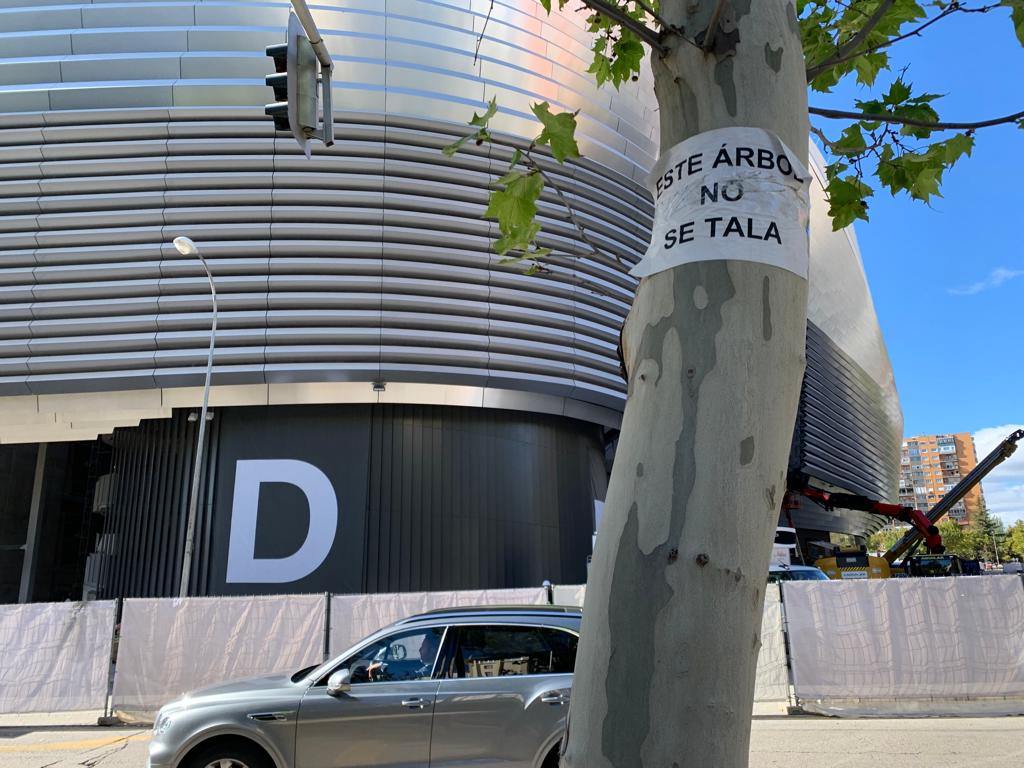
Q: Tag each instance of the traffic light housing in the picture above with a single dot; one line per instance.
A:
(296, 82)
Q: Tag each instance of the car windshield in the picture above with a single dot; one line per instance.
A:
(303, 672)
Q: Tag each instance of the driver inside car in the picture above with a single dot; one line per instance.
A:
(378, 671)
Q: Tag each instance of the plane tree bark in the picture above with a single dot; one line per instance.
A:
(714, 352)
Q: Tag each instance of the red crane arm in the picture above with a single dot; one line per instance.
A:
(916, 518)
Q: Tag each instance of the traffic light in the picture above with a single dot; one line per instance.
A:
(296, 89)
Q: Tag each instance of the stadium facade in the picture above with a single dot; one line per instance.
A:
(393, 408)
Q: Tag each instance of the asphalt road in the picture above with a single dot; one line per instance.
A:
(777, 742)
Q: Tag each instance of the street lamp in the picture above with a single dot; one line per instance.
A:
(186, 247)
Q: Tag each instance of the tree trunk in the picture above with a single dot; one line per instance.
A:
(715, 354)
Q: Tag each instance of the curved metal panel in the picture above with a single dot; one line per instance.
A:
(371, 262)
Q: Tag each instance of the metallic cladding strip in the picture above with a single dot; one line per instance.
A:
(845, 438)
(100, 175)
(154, 289)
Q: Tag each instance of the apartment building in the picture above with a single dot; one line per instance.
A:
(931, 465)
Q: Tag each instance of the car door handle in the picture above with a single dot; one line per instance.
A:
(555, 698)
(416, 703)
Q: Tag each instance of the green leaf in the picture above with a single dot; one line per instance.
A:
(851, 141)
(1017, 17)
(559, 131)
(628, 54)
(868, 67)
(546, 5)
(485, 118)
(898, 93)
(481, 135)
(846, 198)
(926, 185)
(515, 209)
(601, 69)
(834, 169)
(956, 147)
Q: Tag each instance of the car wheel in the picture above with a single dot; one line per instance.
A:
(230, 755)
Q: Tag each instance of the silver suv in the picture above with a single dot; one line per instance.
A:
(476, 686)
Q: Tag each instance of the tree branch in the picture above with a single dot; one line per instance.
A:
(531, 162)
(608, 9)
(653, 13)
(839, 114)
(716, 14)
(850, 46)
(817, 69)
(483, 31)
(565, 201)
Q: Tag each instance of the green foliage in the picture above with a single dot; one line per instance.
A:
(990, 531)
(880, 541)
(893, 154)
(903, 150)
(846, 200)
(826, 26)
(960, 540)
(513, 202)
(481, 134)
(618, 52)
(1013, 543)
(559, 132)
(514, 207)
(1017, 17)
(904, 158)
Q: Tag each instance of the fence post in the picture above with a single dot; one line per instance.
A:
(108, 717)
(327, 625)
(794, 707)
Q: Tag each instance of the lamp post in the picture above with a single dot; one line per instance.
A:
(186, 247)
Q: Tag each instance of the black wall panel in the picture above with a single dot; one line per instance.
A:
(428, 497)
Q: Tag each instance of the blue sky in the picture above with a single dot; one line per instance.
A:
(948, 281)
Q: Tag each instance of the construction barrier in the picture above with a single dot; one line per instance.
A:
(772, 682)
(55, 657)
(169, 646)
(873, 647)
(950, 645)
(353, 617)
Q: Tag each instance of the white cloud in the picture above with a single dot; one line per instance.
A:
(1004, 486)
(995, 278)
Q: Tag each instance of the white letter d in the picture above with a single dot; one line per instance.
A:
(243, 565)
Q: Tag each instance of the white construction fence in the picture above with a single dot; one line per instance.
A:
(170, 646)
(950, 645)
(55, 656)
(901, 646)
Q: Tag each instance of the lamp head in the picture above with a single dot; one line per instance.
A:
(185, 246)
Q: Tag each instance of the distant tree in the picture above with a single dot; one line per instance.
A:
(880, 541)
(961, 540)
(1014, 541)
(990, 531)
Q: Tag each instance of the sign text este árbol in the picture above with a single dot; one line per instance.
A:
(731, 193)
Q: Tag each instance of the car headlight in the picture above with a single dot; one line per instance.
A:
(163, 722)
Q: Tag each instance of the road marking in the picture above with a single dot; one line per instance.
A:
(80, 744)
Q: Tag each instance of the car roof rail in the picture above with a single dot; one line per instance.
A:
(504, 610)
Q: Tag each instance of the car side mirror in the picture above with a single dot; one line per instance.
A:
(340, 682)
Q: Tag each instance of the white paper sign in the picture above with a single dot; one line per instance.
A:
(730, 193)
